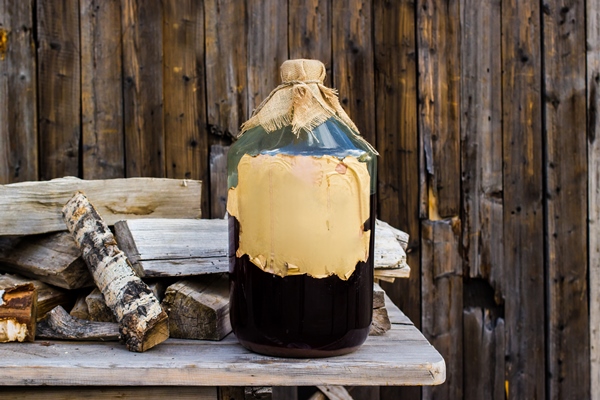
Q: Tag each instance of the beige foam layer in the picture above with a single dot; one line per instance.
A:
(302, 214)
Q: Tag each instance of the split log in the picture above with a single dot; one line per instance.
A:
(378, 296)
(80, 309)
(39, 203)
(48, 296)
(142, 321)
(97, 310)
(53, 258)
(18, 312)
(186, 247)
(380, 323)
(199, 309)
(335, 392)
(58, 324)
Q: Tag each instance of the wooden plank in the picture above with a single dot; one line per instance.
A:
(267, 49)
(225, 36)
(186, 136)
(438, 38)
(481, 137)
(566, 184)
(59, 93)
(353, 68)
(483, 356)
(523, 202)
(53, 258)
(143, 88)
(101, 90)
(442, 283)
(309, 34)
(401, 357)
(184, 247)
(18, 93)
(114, 392)
(218, 180)
(593, 142)
(40, 203)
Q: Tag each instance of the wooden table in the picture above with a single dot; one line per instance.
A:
(401, 357)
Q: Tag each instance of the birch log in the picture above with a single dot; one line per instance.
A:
(143, 323)
(18, 313)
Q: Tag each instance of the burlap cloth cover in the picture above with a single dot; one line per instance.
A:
(301, 101)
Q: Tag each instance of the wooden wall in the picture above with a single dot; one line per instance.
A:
(485, 113)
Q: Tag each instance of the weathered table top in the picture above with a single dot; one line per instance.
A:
(401, 357)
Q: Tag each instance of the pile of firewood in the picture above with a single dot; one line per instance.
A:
(129, 260)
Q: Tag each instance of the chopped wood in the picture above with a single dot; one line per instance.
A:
(188, 247)
(142, 321)
(380, 323)
(158, 287)
(80, 309)
(378, 296)
(392, 274)
(48, 296)
(58, 324)
(97, 309)
(335, 392)
(17, 312)
(39, 203)
(401, 237)
(52, 258)
(199, 309)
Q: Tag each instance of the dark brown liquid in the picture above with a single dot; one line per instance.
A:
(299, 316)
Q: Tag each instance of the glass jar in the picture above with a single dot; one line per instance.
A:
(301, 235)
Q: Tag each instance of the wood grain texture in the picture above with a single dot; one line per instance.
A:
(398, 143)
(218, 180)
(267, 49)
(18, 312)
(96, 307)
(199, 308)
(48, 296)
(483, 355)
(58, 324)
(523, 202)
(353, 71)
(114, 392)
(226, 55)
(53, 259)
(102, 149)
(143, 88)
(186, 136)
(481, 140)
(442, 288)
(59, 80)
(40, 203)
(438, 40)
(309, 34)
(400, 357)
(566, 204)
(593, 143)
(18, 93)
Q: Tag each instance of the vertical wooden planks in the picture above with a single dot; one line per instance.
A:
(18, 93)
(186, 136)
(397, 137)
(309, 34)
(353, 73)
(442, 291)
(143, 89)
(566, 175)
(218, 180)
(523, 209)
(101, 90)
(267, 47)
(593, 143)
(59, 82)
(226, 76)
(438, 41)
(481, 139)
(483, 355)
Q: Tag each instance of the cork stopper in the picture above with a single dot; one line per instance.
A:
(303, 70)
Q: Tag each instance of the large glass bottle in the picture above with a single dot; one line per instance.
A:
(301, 224)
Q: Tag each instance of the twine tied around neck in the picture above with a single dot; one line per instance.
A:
(301, 100)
